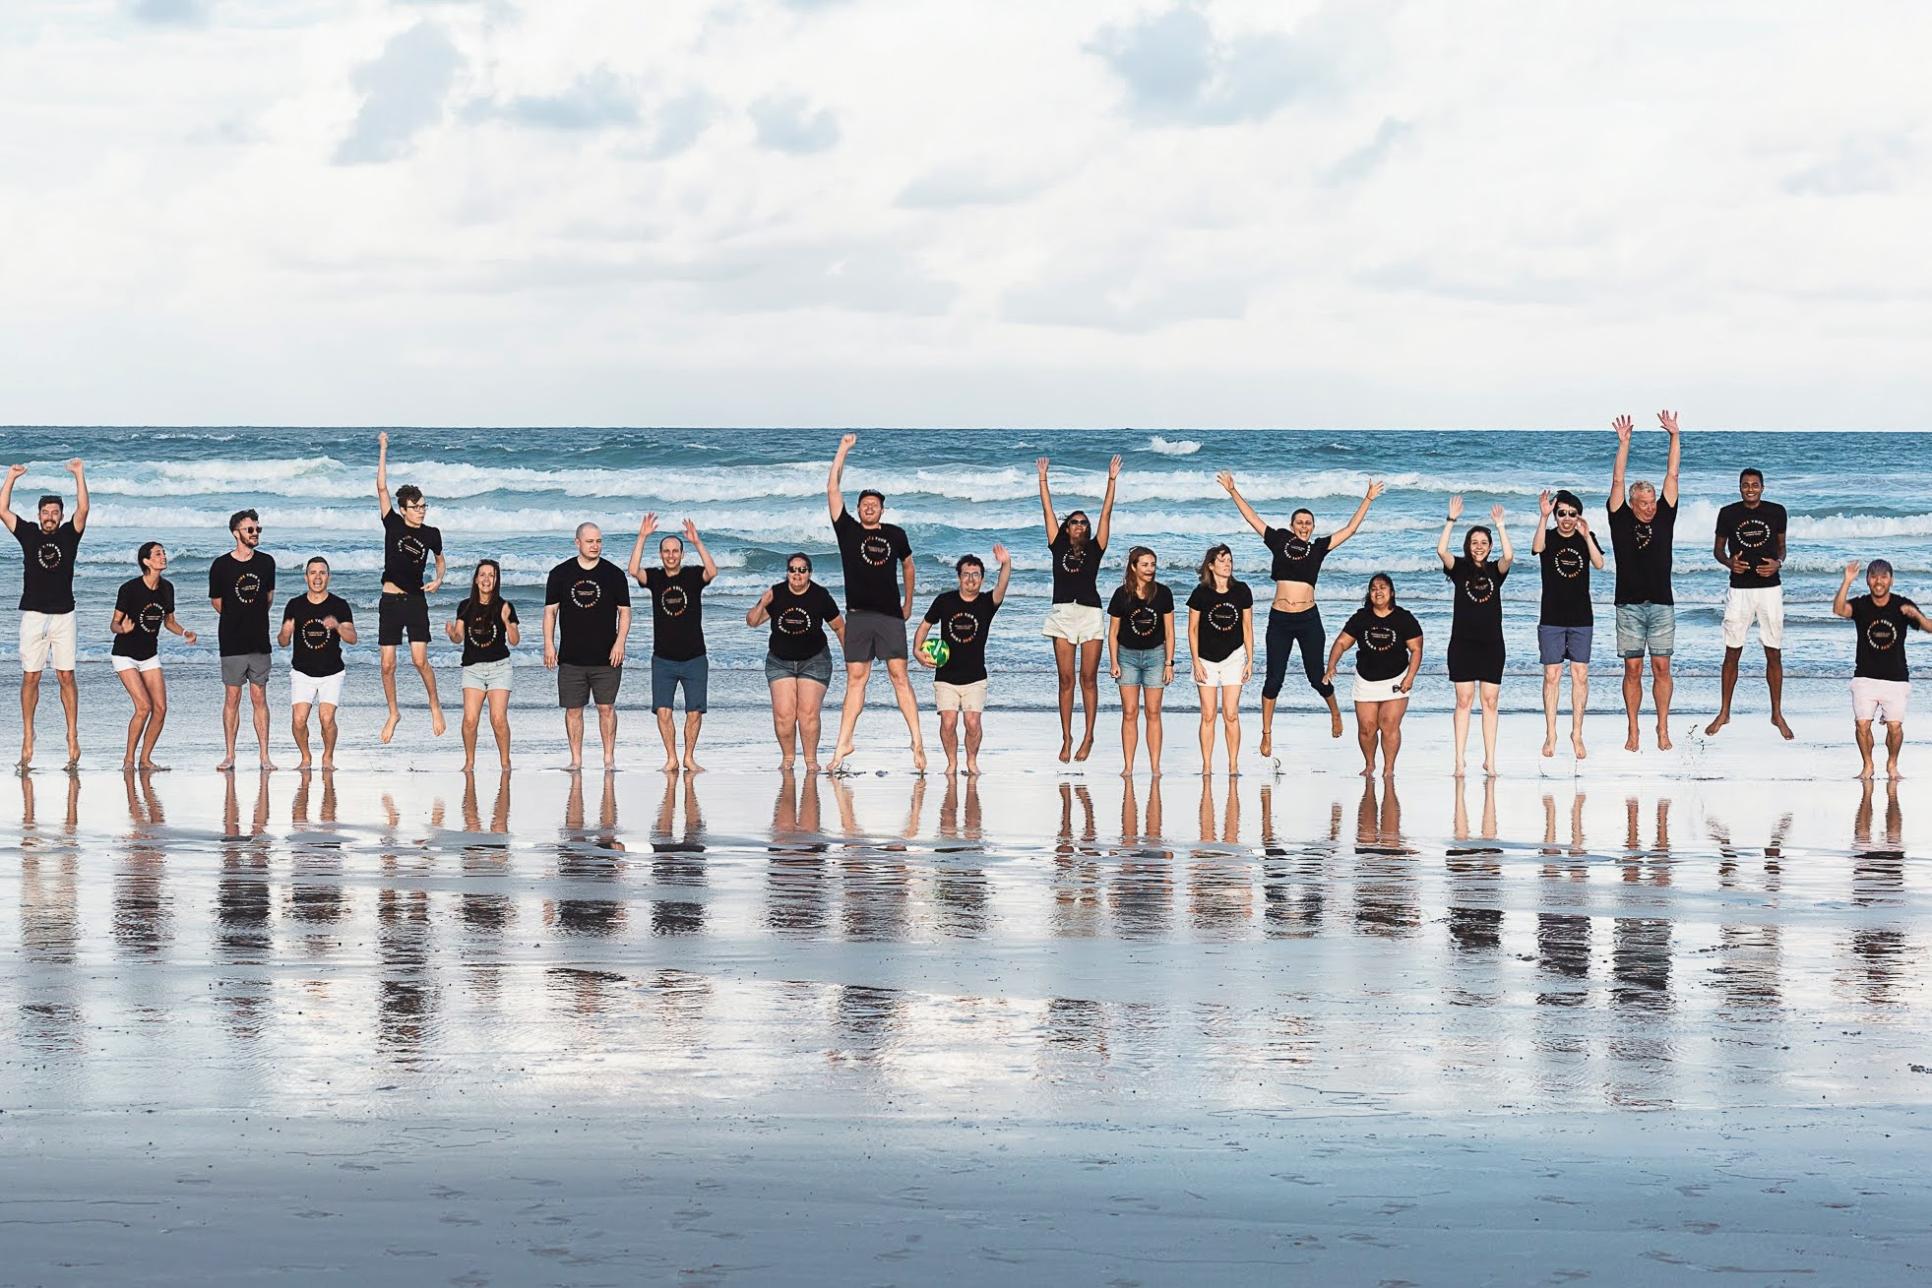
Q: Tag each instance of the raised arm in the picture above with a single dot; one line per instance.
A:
(1668, 419)
(1226, 479)
(1004, 558)
(7, 516)
(1375, 488)
(645, 527)
(1502, 539)
(1623, 425)
(1046, 502)
(1841, 602)
(79, 472)
(834, 497)
(1107, 503)
(710, 565)
(1543, 504)
(1448, 526)
(382, 473)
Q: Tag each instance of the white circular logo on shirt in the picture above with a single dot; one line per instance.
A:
(1224, 617)
(962, 628)
(1881, 634)
(1752, 533)
(248, 587)
(672, 601)
(1479, 589)
(152, 618)
(1379, 639)
(314, 634)
(1640, 533)
(412, 549)
(1295, 548)
(49, 555)
(1074, 559)
(1568, 562)
(585, 593)
(793, 621)
(1143, 620)
(875, 550)
(481, 630)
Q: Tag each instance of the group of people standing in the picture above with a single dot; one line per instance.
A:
(587, 619)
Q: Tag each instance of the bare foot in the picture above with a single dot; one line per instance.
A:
(127, 766)
(972, 769)
(784, 764)
(73, 754)
(692, 767)
(811, 766)
(1086, 748)
(839, 753)
(1334, 724)
(1155, 772)
(670, 765)
(302, 763)
(1663, 739)
(267, 765)
(1549, 746)
(149, 767)
(1234, 771)
(227, 764)
(1865, 774)
(1723, 718)
(1891, 772)
(610, 765)
(1368, 771)
(1267, 743)
(1457, 772)
(1127, 772)
(328, 763)
(1576, 745)
(436, 722)
(1783, 728)
(1066, 749)
(1488, 772)
(505, 765)
(1633, 742)
(952, 768)
(469, 766)
(389, 726)
(575, 766)
(918, 760)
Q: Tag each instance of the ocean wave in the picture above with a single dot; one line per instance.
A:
(1182, 447)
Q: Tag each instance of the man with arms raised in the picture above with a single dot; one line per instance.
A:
(1642, 526)
(407, 543)
(1750, 546)
(47, 603)
(586, 620)
(873, 554)
(241, 586)
(677, 636)
(1881, 683)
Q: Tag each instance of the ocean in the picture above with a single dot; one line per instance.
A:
(758, 494)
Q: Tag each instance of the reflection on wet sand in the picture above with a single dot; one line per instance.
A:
(51, 1006)
(1880, 952)
(242, 909)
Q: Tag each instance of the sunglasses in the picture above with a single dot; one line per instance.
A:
(249, 532)
(1569, 514)
(800, 571)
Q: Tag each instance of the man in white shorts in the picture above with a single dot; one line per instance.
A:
(1881, 683)
(47, 603)
(963, 617)
(1750, 546)
(316, 624)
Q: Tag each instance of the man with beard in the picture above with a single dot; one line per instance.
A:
(241, 586)
(1750, 546)
(47, 603)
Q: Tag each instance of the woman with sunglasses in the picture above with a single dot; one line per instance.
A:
(798, 666)
(1075, 623)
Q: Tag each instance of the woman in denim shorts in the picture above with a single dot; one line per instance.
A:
(486, 626)
(1140, 640)
(798, 665)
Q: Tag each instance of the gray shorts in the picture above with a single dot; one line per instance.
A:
(238, 669)
(1646, 628)
(817, 668)
(871, 636)
(578, 686)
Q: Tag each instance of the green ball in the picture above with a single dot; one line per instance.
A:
(936, 651)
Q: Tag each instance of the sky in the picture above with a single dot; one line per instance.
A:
(1211, 213)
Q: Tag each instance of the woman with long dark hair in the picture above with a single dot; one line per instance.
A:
(1140, 644)
(1476, 625)
(142, 610)
(1220, 644)
(1074, 623)
(486, 626)
(1387, 641)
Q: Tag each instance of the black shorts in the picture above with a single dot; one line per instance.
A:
(398, 613)
(579, 686)
(1476, 660)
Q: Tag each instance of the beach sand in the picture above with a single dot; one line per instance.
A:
(1653, 1019)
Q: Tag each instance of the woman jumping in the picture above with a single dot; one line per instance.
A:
(1074, 623)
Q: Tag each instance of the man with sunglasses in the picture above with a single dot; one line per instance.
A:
(1568, 552)
(241, 586)
(407, 543)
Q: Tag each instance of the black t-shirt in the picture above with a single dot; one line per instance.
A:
(149, 610)
(1881, 637)
(486, 635)
(1566, 580)
(587, 601)
(48, 583)
(245, 589)
(798, 621)
(1220, 613)
(317, 649)
(677, 613)
(1379, 641)
(1295, 559)
(1643, 553)
(1141, 624)
(1478, 594)
(871, 558)
(1752, 533)
(405, 550)
(963, 625)
(1074, 570)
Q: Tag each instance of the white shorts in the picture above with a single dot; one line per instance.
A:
(1075, 623)
(1378, 690)
(959, 697)
(1225, 674)
(308, 690)
(1761, 604)
(135, 664)
(44, 634)
(1880, 700)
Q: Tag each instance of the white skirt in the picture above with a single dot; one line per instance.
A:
(1378, 690)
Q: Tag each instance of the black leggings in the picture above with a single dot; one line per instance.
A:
(1285, 630)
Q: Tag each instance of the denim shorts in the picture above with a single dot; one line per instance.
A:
(1145, 667)
(667, 675)
(1646, 628)
(816, 668)
(488, 676)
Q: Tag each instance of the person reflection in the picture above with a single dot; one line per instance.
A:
(590, 857)
(49, 922)
(317, 898)
(1142, 892)
(1077, 903)
(1563, 937)
(406, 992)
(242, 908)
(795, 894)
(959, 882)
(143, 911)
(875, 882)
(1220, 886)
(1751, 970)
(677, 860)
(1294, 885)
(1385, 897)
(1475, 875)
(1878, 881)
(485, 909)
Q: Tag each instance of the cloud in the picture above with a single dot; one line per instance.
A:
(170, 13)
(678, 123)
(787, 123)
(970, 185)
(403, 90)
(1863, 164)
(596, 100)
(1368, 158)
(1111, 300)
(1177, 72)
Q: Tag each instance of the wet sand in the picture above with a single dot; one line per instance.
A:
(1658, 1022)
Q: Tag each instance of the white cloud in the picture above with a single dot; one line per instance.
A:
(403, 92)
(182, 13)
(789, 123)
